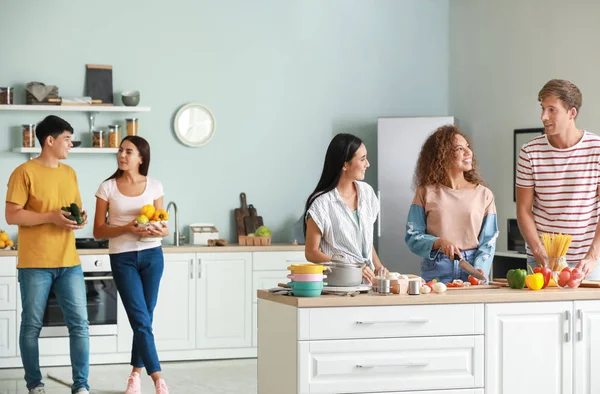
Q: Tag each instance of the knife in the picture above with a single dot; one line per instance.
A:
(464, 265)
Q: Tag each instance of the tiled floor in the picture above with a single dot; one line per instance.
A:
(197, 377)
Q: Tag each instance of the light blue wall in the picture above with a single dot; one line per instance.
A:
(281, 77)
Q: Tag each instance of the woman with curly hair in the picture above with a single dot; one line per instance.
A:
(452, 213)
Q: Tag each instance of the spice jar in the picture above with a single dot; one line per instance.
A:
(132, 126)
(28, 135)
(113, 136)
(6, 95)
(98, 139)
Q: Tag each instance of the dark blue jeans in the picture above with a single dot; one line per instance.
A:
(444, 269)
(69, 288)
(137, 276)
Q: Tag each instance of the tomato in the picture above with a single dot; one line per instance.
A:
(564, 277)
(473, 280)
(576, 278)
(451, 284)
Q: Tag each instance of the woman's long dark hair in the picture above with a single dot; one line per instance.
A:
(341, 150)
(143, 147)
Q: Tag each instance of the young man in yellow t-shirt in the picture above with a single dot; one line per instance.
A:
(47, 258)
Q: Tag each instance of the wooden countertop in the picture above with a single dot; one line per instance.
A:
(449, 297)
(196, 249)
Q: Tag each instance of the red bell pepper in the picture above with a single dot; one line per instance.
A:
(546, 273)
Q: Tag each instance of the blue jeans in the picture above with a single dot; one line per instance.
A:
(137, 276)
(69, 288)
(444, 269)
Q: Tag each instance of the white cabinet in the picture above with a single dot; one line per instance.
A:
(224, 300)
(8, 333)
(8, 293)
(529, 348)
(587, 346)
(174, 314)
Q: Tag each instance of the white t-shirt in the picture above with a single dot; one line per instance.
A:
(123, 209)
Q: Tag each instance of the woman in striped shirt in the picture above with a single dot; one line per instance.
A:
(452, 212)
(341, 211)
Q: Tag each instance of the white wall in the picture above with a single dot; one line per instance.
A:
(501, 54)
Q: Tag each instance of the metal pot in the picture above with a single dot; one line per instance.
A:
(344, 274)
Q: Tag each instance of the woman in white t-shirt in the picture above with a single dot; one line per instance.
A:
(137, 266)
(341, 211)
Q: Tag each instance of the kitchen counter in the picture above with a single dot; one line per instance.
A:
(195, 249)
(458, 342)
(450, 297)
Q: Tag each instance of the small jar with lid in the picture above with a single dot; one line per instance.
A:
(7, 95)
(113, 136)
(28, 135)
(98, 139)
(132, 126)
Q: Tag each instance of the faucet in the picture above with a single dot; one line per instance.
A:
(176, 236)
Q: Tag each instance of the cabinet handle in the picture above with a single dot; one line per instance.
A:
(568, 319)
(191, 269)
(199, 268)
(409, 321)
(580, 317)
(407, 364)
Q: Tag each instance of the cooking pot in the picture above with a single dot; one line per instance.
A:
(344, 274)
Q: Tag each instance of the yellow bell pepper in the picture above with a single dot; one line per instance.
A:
(160, 215)
(535, 281)
(148, 211)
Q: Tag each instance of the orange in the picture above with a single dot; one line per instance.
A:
(3, 236)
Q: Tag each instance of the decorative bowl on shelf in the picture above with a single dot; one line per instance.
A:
(130, 98)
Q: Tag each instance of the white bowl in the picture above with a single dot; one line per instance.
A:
(158, 225)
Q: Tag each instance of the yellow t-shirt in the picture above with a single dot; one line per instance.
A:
(43, 189)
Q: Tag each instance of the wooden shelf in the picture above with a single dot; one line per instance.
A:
(73, 108)
(73, 150)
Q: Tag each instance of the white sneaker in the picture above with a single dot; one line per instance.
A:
(82, 390)
(38, 390)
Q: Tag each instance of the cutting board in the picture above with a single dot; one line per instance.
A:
(252, 222)
(240, 213)
(478, 287)
(584, 283)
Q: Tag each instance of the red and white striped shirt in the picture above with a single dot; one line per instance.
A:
(565, 184)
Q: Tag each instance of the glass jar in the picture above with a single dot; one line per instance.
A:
(113, 136)
(28, 135)
(98, 139)
(132, 126)
(6, 95)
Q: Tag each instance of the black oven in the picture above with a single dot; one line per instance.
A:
(101, 293)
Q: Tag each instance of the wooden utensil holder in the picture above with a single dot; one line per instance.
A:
(245, 240)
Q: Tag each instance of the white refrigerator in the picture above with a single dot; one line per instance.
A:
(399, 142)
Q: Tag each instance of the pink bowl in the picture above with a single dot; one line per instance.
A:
(307, 277)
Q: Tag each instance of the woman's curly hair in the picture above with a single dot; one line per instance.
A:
(436, 158)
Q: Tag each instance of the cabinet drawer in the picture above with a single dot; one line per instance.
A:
(8, 293)
(393, 321)
(272, 261)
(8, 266)
(262, 280)
(399, 364)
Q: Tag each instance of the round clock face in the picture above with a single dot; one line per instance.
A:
(194, 125)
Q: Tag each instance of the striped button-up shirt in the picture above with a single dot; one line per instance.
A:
(341, 234)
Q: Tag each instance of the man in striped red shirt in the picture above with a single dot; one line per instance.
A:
(558, 176)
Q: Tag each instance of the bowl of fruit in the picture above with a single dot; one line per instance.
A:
(5, 242)
(568, 277)
(149, 216)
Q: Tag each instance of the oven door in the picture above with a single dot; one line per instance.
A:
(101, 293)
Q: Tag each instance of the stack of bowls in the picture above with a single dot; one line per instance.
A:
(307, 279)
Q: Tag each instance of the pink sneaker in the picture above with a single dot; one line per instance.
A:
(161, 387)
(134, 385)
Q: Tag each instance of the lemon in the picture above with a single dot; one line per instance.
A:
(9, 242)
(2, 245)
(142, 219)
(3, 236)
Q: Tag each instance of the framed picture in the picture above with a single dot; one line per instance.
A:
(521, 137)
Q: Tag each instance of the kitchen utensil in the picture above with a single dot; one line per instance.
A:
(200, 233)
(465, 266)
(74, 101)
(306, 268)
(240, 213)
(383, 286)
(414, 287)
(359, 288)
(475, 287)
(252, 222)
(130, 99)
(344, 274)
(307, 277)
